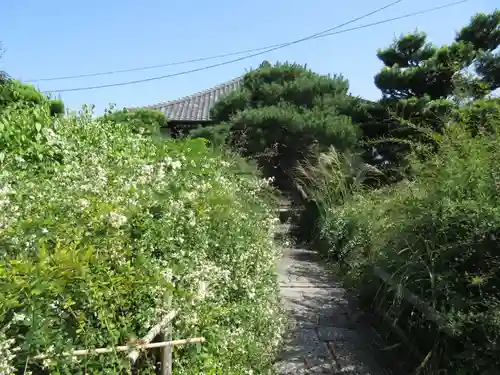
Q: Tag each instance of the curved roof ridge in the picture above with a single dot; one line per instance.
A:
(199, 93)
(195, 107)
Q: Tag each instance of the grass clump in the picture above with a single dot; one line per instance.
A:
(102, 226)
(436, 234)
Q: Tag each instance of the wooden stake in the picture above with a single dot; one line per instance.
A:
(166, 352)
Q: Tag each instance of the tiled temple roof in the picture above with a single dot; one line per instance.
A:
(196, 107)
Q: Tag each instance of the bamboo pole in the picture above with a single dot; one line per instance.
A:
(428, 311)
(307, 285)
(162, 344)
(152, 333)
(166, 352)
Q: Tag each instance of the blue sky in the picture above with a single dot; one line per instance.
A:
(58, 38)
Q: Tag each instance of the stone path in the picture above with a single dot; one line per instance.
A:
(325, 334)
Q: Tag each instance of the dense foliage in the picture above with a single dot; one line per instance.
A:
(422, 85)
(279, 113)
(435, 229)
(13, 91)
(437, 235)
(104, 230)
(104, 226)
(140, 120)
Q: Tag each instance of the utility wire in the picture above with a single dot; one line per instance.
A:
(315, 36)
(217, 56)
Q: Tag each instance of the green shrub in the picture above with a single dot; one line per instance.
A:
(279, 137)
(140, 120)
(56, 107)
(217, 135)
(230, 104)
(436, 235)
(13, 92)
(95, 243)
(31, 137)
(480, 115)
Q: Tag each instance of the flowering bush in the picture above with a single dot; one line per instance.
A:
(100, 227)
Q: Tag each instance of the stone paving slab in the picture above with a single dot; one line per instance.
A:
(325, 335)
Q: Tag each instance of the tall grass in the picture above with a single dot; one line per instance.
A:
(327, 180)
(437, 235)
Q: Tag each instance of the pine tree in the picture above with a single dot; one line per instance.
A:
(280, 112)
(483, 34)
(421, 86)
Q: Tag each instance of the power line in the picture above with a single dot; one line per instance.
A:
(216, 56)
(315, 36)
(149, 66)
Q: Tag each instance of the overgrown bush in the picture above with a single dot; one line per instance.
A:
(480, 115)
(437, 235)
(140, 120)
(12, 91)
(111, 227)
(281, 136)
(216, 135)
(15, 92)
(56, 107)
(31, 137)
(421, 85)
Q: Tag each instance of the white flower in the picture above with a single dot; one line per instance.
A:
(190, 195)
(7, 353)
(83, 203)
(202, 290)
(6, 190)
(176, 164)
(117, 220)
(46, 363)
(19, 317)
(168, 274)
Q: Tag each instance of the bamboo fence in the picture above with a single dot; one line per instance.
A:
(427, 311)
(163, 330)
